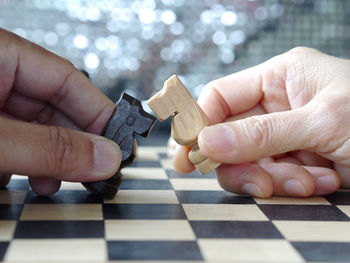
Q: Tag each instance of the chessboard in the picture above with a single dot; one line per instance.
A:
(161, 215)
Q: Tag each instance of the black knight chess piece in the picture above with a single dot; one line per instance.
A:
(128, 119)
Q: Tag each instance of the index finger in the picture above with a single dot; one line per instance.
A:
(232, 94)
(39, 74)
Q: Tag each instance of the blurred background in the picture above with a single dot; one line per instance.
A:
(134, 45)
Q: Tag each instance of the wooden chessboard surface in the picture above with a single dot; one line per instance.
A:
(161, 215)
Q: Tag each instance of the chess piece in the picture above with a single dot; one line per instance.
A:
(188, 119)
(128, 119)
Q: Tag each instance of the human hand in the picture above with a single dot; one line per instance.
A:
(280, 128)
(45, 104)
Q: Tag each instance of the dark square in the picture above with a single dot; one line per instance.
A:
(59, 229)
(324, 251)
(212, 197)
(163, 155)
(143, 211)
(18, 184)
(146, 184)
(64, 197)
(304, 212)
(153, 250)
(235, 229)
(9, 211)
(3, 248)
(141, 163)
(195, 174)
(339, 198)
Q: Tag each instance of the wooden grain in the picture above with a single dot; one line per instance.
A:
(314, 231)
(57, 250)
(248, 250)
(149, 230)
(188, 119)
(56, 212)
(223, 212)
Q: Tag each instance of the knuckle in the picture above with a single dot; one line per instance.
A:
(297, 51)
(64, 151)
(259, 130)
(297, 57)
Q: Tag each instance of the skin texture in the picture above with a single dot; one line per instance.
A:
(283, 125)
(49, 112)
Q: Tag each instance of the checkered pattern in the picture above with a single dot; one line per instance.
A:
(160, 214)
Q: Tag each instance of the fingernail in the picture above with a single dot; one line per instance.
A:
(218, 138)
(294, 187)
(107, 156)
(328, 181)
(252, 189)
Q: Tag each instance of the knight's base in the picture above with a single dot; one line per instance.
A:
(107, 188)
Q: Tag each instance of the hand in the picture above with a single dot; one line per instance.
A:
(45, 104)
(280, 128)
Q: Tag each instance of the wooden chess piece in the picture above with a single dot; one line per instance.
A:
(188, 119)
(128, 119)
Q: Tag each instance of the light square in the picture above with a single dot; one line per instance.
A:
(17, 176)
(235, 212)
(160, 149)
(195, 184)
(71, 186)
(33, 250)
(144, 197)
(148, 230)
(167, 163)
(143, 173)
(292, 201)
(146, 154)
(12, 196)
(7, 228)
(62, 212)
(314, 231)
(245, 250)
(345, 209)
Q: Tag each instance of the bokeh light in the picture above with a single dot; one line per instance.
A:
(148, 40)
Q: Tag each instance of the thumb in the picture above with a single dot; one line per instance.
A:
(255, 137)
(64, 154)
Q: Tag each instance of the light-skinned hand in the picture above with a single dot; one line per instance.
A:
(49, 112)
(280, 128)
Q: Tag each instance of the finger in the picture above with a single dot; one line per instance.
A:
(34, 110)
(239, 92)
(288, 159)
(344, 173)
(327, 180)
(37, 73)
(256, 137)
(301, 181)
(312, 159)
(181, 162)
(285, 179)
(290, 179)
(44, 186)
(231, 95)
(23, 107)
(264, 160)
(38, 150)
(256, 110)
(4, 179)
(245, 178)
